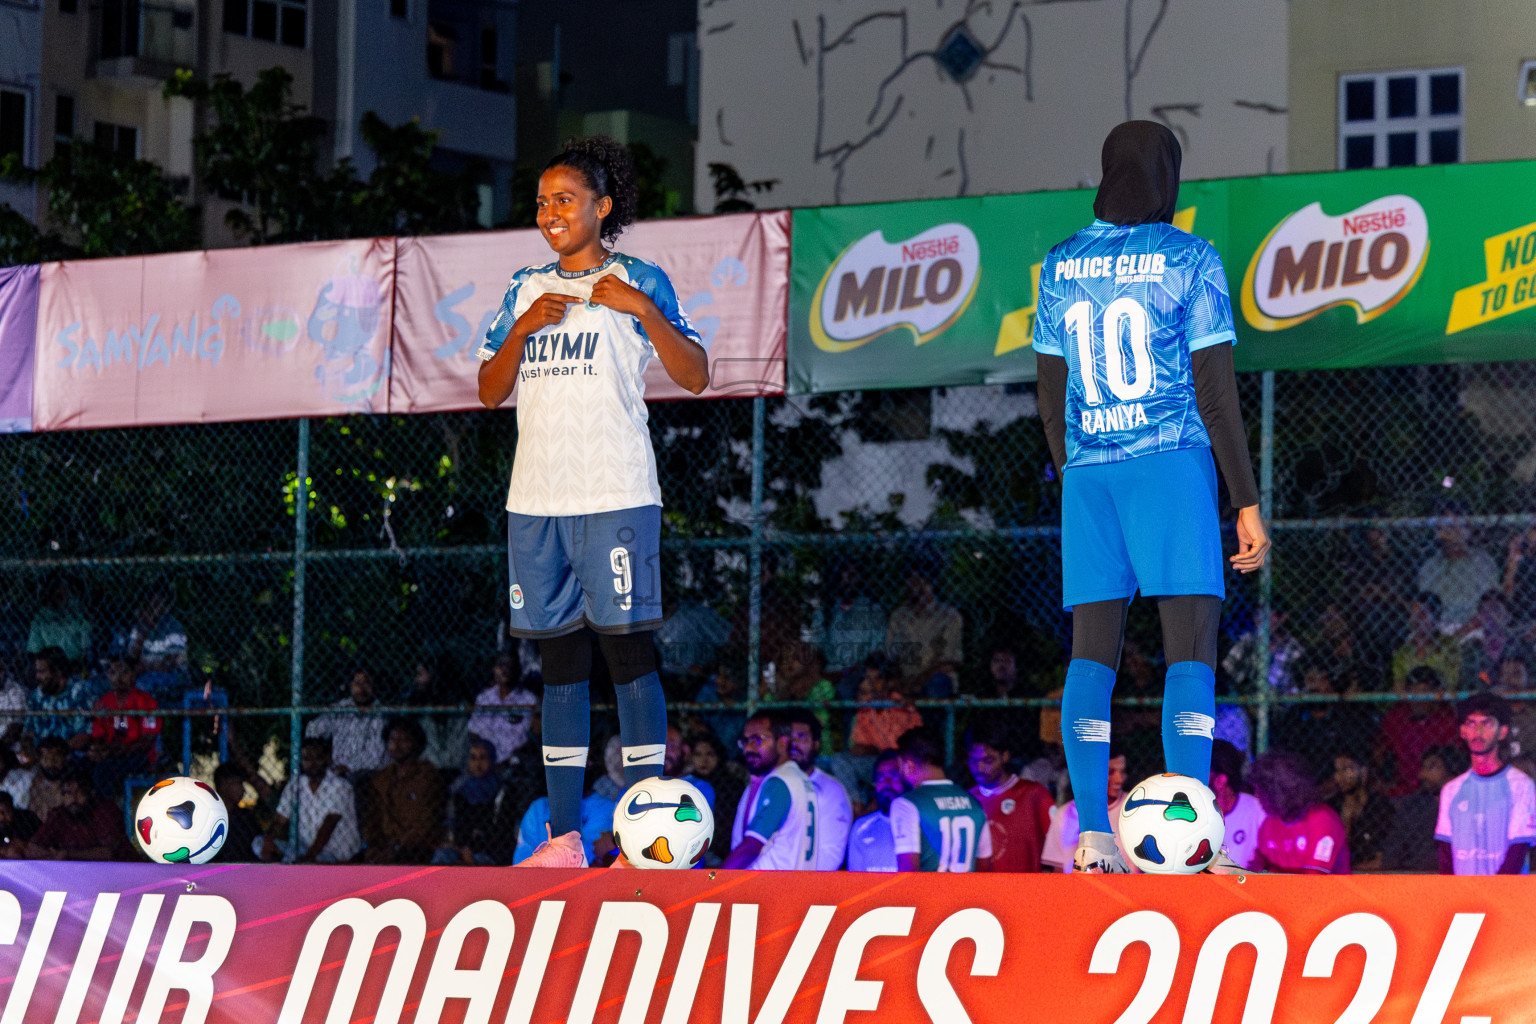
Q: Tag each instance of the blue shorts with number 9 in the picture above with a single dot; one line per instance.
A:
(1147, 524)
(601, 570)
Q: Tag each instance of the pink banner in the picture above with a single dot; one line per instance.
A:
(230, 334)
(731, 275)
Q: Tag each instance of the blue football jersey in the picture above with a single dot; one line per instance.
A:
(1125, 306)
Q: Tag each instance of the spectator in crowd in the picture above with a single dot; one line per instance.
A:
(447, 734)
(677, 763)
(936, 825)
(1061, 840)
(45, 790)
(1366, 814)
(1487, 819)
(158, 640)
(58, 689)
(13, 697)
(778, 623)
(1018, 811)
(803, 679)
(323, 802)
(1513, 677)
(357, 738)
(1378, 584)
(722, 687)
(1412, 727)
(1300, 834)
(1336, 645)
(596, 811)
(123, 745)
(1317, 731)
(877, 729)
(471, 826)
(244, 829)
(1426, 645)
(17, 826)
(1139, 727)
(923, 636)
(59, 622)
(1485, 639)
(1410, 841)
(855, 629)
(1242, 661)
(688, 644)
(1458, 574)
(775, 826)
(870, 844)
(1240, 809)
(507, 730)
(82, 827)
(1519, 580)
(17, 770)
(406, 824)
(712, 764)
(834, 811)
(1003, 683)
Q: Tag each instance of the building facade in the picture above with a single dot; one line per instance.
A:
(21, 77)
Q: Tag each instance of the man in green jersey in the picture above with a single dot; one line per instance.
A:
(936, 825)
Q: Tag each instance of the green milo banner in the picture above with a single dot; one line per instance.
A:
(1357, 268)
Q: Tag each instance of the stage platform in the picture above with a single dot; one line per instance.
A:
(255, 944)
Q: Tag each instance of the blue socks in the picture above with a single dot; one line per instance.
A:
(1085, 739)
(567, 737)
(643, 727)
(1189, 718)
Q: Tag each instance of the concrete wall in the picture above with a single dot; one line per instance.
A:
(845, 102)
(1488, 38)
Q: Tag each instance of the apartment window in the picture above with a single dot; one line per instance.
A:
(399, 8)
(119, 140)
(13, 123)
(68, 6)
(1401, 118)
(276, 21)
(63, 119)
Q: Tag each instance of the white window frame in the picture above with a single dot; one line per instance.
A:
(1381, 126)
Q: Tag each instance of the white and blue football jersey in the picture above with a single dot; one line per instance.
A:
(583, 441)
(1125, 307)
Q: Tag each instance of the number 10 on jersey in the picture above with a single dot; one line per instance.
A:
(1123, 313)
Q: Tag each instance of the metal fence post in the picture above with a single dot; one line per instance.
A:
(1266, 575)
(755, 560)
(300, 559)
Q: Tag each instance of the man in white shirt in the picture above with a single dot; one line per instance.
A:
(1242, 811)
(327, 816)
(834, 811)
(871, 846)
(775, 826)
(357, 739)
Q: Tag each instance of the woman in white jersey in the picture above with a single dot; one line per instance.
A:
(584, 509)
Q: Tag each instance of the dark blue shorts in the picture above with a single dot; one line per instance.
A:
(601, 570)
(1147, 524)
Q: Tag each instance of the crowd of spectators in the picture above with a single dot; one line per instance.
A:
(1362, 727)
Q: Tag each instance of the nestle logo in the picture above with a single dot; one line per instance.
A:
(1381, 220)
(930, 249)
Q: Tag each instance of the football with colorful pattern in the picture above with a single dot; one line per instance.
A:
(181, 821)
(1170, 825)
(663, 823)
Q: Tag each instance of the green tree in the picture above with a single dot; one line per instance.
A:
(98, 205)
(732, 191)
(405, 194)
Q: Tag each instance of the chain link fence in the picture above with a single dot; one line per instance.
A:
(801, 536)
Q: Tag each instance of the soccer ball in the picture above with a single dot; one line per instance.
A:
(1170, 825)
(181, 821)
(663, 823)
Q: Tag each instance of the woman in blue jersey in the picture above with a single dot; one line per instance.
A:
(1134, 337)
(573, 337)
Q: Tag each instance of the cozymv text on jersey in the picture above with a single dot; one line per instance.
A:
(1125, 307)
(583, 443)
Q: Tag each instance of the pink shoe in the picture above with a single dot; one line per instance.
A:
(558, 852)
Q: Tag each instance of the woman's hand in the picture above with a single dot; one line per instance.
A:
(546, 311)
(1252, 540)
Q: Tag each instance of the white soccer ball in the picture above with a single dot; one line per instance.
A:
(1170, 825)
(663, 823)
(181, 821)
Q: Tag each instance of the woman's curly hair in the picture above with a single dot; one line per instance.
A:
(609, 171)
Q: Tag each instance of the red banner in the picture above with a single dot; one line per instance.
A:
(731, 275)
(229, 334)
(113, 943)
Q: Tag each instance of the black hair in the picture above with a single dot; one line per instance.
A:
(881, 758)
(608, 169)
(409, 726)
(1484, 702)
(921, 745)
(778, 722)
(1424, 674)
(227, 772)
(1428, 600)
(53, 743)
(81, 776)
(320, 743)
(992, 733)
(56, 659)
(7, 799)
(1227, 760)
(804, 716)
(1285, 779)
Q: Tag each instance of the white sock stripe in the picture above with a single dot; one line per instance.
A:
(1193, 723)
(1091, 730)
(575, 757)
(647, 753)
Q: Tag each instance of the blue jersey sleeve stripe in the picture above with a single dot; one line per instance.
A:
(657, 286)
(1208, 340)
(500, 327)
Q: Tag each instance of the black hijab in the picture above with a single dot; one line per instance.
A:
(1141, 175)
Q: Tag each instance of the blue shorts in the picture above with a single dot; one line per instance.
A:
(601, 570)
(1147, 524)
